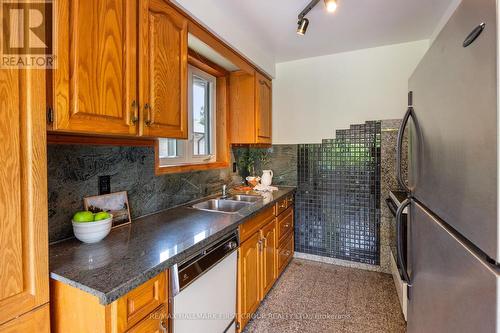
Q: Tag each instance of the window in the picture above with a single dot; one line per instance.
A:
(200, 146)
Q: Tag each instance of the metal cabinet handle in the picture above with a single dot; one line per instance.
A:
(399, 243)
(399, 147)
(135, 116)
(287, 225)
(283, 205)
(163, 326)
(149, 120)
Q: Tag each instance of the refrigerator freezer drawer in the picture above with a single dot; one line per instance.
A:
(453, 289)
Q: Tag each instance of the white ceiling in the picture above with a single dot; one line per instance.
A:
(356, 24)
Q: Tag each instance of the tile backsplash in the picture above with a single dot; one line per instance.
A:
(74, 170)
(73, 173)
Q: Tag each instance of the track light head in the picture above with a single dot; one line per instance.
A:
(331, 5)
(302, 26)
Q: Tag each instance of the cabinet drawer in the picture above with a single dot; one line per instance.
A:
(155, 322)
(255, 223)
(281, 206)
(140, 302)
(285, 224)
(285, 253)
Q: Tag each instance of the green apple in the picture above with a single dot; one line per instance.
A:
(84, 216)
(101, 216)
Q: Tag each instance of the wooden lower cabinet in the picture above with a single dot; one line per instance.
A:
(263, 256)
(248, 278)
(144, 309)
(268, 262)
(37, 321)
(140, 302)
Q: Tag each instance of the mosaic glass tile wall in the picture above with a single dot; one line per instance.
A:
(338, 196)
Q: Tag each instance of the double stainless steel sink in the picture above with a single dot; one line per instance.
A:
(231, 205)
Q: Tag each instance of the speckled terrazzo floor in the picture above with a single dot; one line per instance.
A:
(317, 297)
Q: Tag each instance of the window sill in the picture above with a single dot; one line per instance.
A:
(163, 170)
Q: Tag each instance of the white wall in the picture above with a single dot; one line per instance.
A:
(315, 96)
(222, 19)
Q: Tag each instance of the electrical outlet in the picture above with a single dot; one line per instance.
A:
(104, 185)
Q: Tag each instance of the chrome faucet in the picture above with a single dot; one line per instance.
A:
(224, 192)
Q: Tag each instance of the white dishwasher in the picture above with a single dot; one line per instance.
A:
(203, 290)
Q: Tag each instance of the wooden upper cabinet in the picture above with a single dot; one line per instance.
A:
(95, 83)
(242, 107)
(163, 70)
(251, 108)
(263, 104)
(23, 194)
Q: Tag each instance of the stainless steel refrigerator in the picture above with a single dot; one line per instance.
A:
(453, 127)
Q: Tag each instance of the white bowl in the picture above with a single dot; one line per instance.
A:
(92, 232)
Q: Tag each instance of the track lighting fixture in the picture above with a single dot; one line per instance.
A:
(302, 28)
(303, 23)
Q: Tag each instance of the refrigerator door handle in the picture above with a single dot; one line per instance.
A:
(399, 148)
(399, 242)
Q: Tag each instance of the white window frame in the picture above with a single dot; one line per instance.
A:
(186, 147)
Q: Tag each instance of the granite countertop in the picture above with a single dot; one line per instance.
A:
(133, 254)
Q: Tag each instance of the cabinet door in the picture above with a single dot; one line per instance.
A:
(263, 97)
(163, 70)
(138, 303)
(96, 76)
(23, 193)
(242, 107)
(269, 268)
(248, 278)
